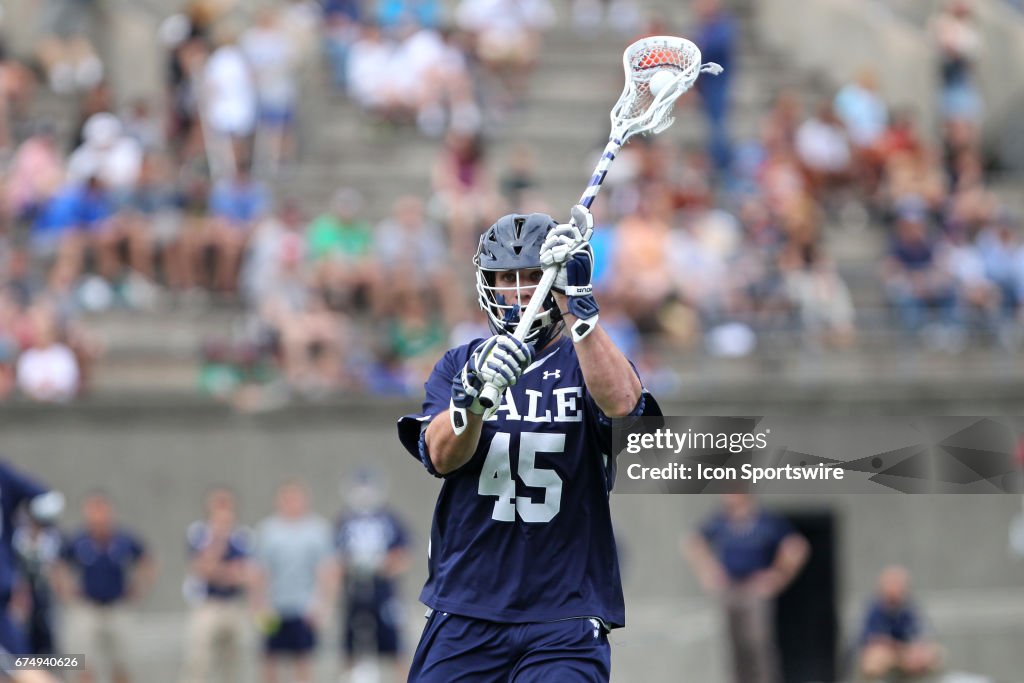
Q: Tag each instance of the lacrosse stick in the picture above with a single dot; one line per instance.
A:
(638, 110)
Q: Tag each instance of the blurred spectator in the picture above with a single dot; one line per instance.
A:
(464, 190)
(35, 174)
(917, 282)
(430, 70)
(701, 256)
(48, 370)
(228, 107)
(412, 253)
(292, 594)
(74, 220)
(959, 43)
(342, 24)
(142, 124)
(18, 491)
(339, 245)
(745, 556)
(864, 113)
(104, 569)
(273, 60)
(893, 638)
(237, 202)
(37, 548)
(107, 154)
(66, 55)
(716, 35)
(151, 223)
(978, 298)
(1001, 250)
(10, 321)
(373, 553)
(506, 37)
(416, 331)
(369, 75)
(96, 100)
(311, 339)
(820, 296)
(392, 14)
(824, 150)
(640, 277)
(17, 88)
(219, 569)
(186, 60)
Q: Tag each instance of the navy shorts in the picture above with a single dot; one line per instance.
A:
(372, 630)
(456, 649)
(294, 636)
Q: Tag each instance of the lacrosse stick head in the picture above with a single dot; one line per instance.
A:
(638, 109)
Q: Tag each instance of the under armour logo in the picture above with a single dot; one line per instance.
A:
(557, 374)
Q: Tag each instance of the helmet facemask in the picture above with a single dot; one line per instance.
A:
(513, 244)
(501, 304)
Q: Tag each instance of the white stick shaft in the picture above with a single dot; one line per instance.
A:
(489, 396)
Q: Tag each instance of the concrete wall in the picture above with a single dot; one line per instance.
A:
(157, 461)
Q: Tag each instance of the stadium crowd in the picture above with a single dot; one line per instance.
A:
(146, 208)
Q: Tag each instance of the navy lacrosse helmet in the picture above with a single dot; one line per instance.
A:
(513, 243)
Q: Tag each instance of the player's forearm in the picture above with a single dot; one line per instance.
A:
(448, 451)
(609, 376)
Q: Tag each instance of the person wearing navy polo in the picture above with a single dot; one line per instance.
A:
(220, 554)
(746, 556)
(893, 640)
(103, 568)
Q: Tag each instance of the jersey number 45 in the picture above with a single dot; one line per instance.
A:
(496, 478)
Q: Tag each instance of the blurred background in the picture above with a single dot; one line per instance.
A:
(236, 235)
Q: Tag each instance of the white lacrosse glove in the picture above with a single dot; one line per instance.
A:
(568, 247)
(500, 361)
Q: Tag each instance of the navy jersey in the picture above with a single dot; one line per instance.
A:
(103, 566)
(238, 547)
(900, 623)
(522, 532)
(746, 547)
(15, 489)
(363, 541)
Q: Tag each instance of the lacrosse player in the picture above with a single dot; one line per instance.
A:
(523, 572)
(44, 506)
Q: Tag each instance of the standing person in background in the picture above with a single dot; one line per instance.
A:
(959, 43)
(716, 35)
(746, 556)
(293, 590)
(373, 553)
(104, 568)
(220, 553)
